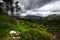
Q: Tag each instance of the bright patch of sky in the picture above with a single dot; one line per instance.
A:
(51, 6)
(45, 10)
(1, 1)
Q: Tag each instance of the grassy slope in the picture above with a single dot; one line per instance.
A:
(30, 30)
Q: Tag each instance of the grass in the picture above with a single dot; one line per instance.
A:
(30, 30)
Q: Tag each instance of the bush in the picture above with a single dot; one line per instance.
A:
(37, 35)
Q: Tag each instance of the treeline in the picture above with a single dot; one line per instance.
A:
(8, 5)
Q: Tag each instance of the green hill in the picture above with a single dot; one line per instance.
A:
(29, 30)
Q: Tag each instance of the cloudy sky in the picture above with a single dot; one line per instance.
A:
(38, 3)
(44, 7)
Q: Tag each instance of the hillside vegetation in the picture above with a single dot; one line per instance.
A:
(52, 22)
(29, 30)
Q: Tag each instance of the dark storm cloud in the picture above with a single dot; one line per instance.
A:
(29, 4)
(38, 3)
